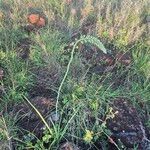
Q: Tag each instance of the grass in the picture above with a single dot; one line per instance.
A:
(56, 64)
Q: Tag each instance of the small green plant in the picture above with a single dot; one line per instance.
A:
(8, 131)
(17, 76)
(141, 56)
(83, 39)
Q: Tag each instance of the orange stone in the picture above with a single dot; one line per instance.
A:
(41, 22)
(33, 18)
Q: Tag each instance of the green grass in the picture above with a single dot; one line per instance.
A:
(82, 98)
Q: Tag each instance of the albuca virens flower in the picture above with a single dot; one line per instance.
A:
(88, 136)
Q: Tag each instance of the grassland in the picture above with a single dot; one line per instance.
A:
(64, 81)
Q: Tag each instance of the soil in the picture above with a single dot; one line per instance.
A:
(39, 90)
(23, 48)
(68, 146)
(124, 58)
(29, 28)
(47, 78)
(127, 126)
(28, 120)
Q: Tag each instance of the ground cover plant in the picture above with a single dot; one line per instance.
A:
(74, 75)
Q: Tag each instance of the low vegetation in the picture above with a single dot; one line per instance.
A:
(74, 75)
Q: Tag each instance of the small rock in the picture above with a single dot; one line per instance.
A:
(41, 23)
(33, 18)
(37, 20)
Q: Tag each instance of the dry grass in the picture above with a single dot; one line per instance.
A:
(121, 21)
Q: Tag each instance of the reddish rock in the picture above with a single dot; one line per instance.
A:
(41, 22)
(33, 18)
(37, 20)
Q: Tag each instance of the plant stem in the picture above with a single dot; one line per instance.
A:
(46, 124)
(65, 76)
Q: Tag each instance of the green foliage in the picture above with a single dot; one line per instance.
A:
(8, 131)
(141, 56)
(48, 44)
(84, 40)
(17, 77)
(93, 40)
(83, 99)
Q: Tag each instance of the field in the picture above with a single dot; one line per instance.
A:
(74, 75)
